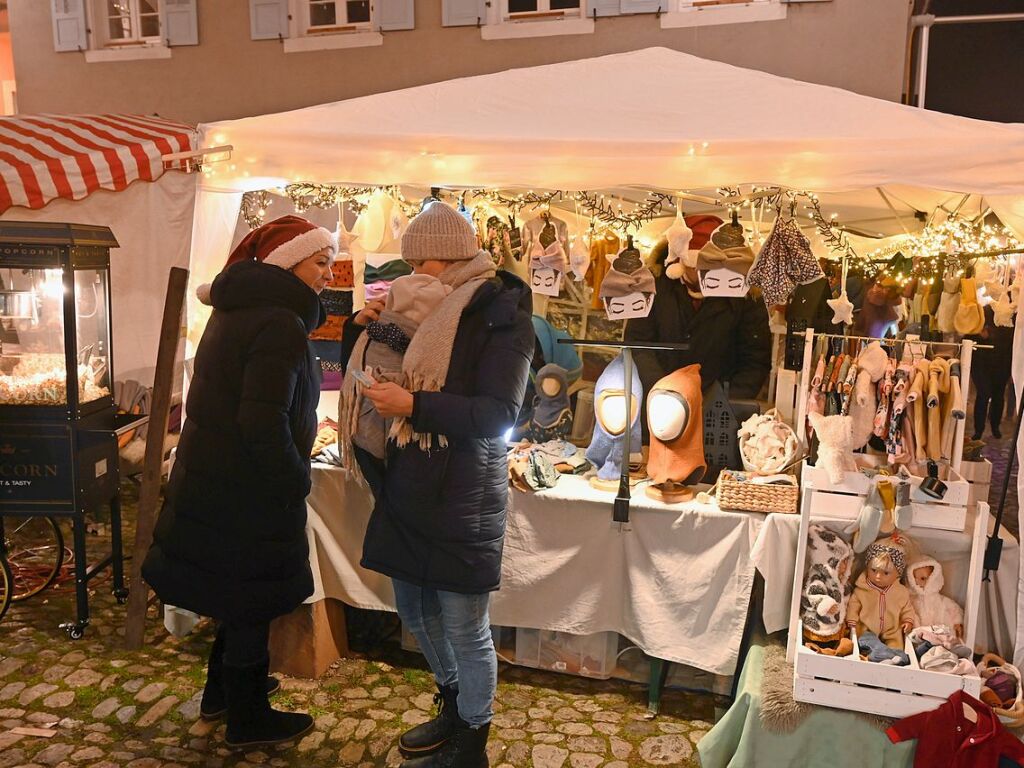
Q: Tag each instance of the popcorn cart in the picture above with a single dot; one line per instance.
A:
(58, 421)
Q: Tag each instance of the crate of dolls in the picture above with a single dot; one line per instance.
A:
(588, 655)
(939, 502)
(900, 673)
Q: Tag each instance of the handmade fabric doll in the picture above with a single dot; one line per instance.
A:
(835, 444)
(675, 417)
(871, 364)
(606, 448)
(409, 301)
(880, 603)
(827, 586)
(552, 415)
(932, 607)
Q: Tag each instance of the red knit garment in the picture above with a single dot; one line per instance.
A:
(947, 739)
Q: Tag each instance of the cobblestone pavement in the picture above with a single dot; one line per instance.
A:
(111, 707)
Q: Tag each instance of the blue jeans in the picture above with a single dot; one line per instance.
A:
(454, 633)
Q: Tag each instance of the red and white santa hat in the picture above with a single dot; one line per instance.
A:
(284, 242)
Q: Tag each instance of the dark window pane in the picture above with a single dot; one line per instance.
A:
(120, 28)
(522, 6)
(358, 12)
(150, 26)
(321, 14)
(561, 5)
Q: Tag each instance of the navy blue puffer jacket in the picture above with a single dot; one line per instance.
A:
(439, 517)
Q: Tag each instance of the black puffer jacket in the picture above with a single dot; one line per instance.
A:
(439, 518)
(729, 337)
(231, 539)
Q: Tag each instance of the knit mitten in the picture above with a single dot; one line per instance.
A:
(903, 514)
(868, 523)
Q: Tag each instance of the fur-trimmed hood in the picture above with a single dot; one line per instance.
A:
(935, 582)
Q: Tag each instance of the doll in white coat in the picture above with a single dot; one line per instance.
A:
(932, 607)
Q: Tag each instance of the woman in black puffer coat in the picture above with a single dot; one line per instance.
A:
(230, 542)
(438, 524)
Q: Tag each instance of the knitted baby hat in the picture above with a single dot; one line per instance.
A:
(415, 296)
(440, 233)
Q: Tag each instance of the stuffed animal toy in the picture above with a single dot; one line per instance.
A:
(871, 363)
(873, 649)
(678, 236)
(827, 586)
(925, 583)
(835, 444)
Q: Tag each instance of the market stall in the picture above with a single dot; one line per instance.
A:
(898, 197)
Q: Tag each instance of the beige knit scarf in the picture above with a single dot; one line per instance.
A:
(426, 361)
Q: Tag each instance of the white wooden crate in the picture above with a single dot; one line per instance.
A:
(843, 500)
(848, 682)
(979, 475)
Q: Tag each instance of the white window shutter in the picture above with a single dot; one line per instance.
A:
(268, 19)
(602, 8)
(179, 25)
(395, 14)
(69, 28)
(643, 6)
(463, 13)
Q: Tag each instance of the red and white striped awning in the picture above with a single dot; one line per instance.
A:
(43, 157)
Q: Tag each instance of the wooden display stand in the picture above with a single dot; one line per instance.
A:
(979, 475)
(307, 641)
(670, 493)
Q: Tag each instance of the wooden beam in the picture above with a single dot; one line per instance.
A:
(152, 471)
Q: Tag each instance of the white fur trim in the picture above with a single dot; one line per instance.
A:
(298, 249)
(203, 294)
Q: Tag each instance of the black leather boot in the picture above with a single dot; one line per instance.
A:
(467, 748)
(251, 721)
(429, 737)
(215, 702)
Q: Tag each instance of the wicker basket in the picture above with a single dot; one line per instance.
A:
(755, 497)
(1013, 717)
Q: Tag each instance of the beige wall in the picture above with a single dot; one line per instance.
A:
(853, 44)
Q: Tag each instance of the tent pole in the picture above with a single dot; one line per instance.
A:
(922, 63)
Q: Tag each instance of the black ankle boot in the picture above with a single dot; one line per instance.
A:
(215, 702)
(467, 748)
(251, 721)
(429, 737)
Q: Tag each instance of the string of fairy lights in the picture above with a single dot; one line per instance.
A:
(947, 247)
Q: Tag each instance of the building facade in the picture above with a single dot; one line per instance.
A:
(205, 60)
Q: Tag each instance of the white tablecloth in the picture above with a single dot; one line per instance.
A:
(774, 554)
(680, 591)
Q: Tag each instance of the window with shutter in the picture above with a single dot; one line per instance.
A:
(180, 26)
(69, 27)
(393, 15)
(463, 13)
(268, 19)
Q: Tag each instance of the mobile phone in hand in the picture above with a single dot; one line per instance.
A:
(363, 378)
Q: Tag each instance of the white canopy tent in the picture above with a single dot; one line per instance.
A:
(649, 119)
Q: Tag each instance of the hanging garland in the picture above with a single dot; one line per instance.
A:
(254, 207)
(595, 206)
(516, 203)
(305, 196)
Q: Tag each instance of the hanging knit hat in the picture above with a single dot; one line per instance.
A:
(440, 233)
(285, 242)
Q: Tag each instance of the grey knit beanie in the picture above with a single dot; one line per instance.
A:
(439, 232)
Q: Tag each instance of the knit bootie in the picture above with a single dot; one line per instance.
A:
(251, 721)
(428, 738)
(467, 748)
(215, 701)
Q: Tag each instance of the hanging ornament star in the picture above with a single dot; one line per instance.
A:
(842, 309)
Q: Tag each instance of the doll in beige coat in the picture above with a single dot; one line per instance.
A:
(880, 603)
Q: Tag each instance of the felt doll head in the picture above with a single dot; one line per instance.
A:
(674, 415)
